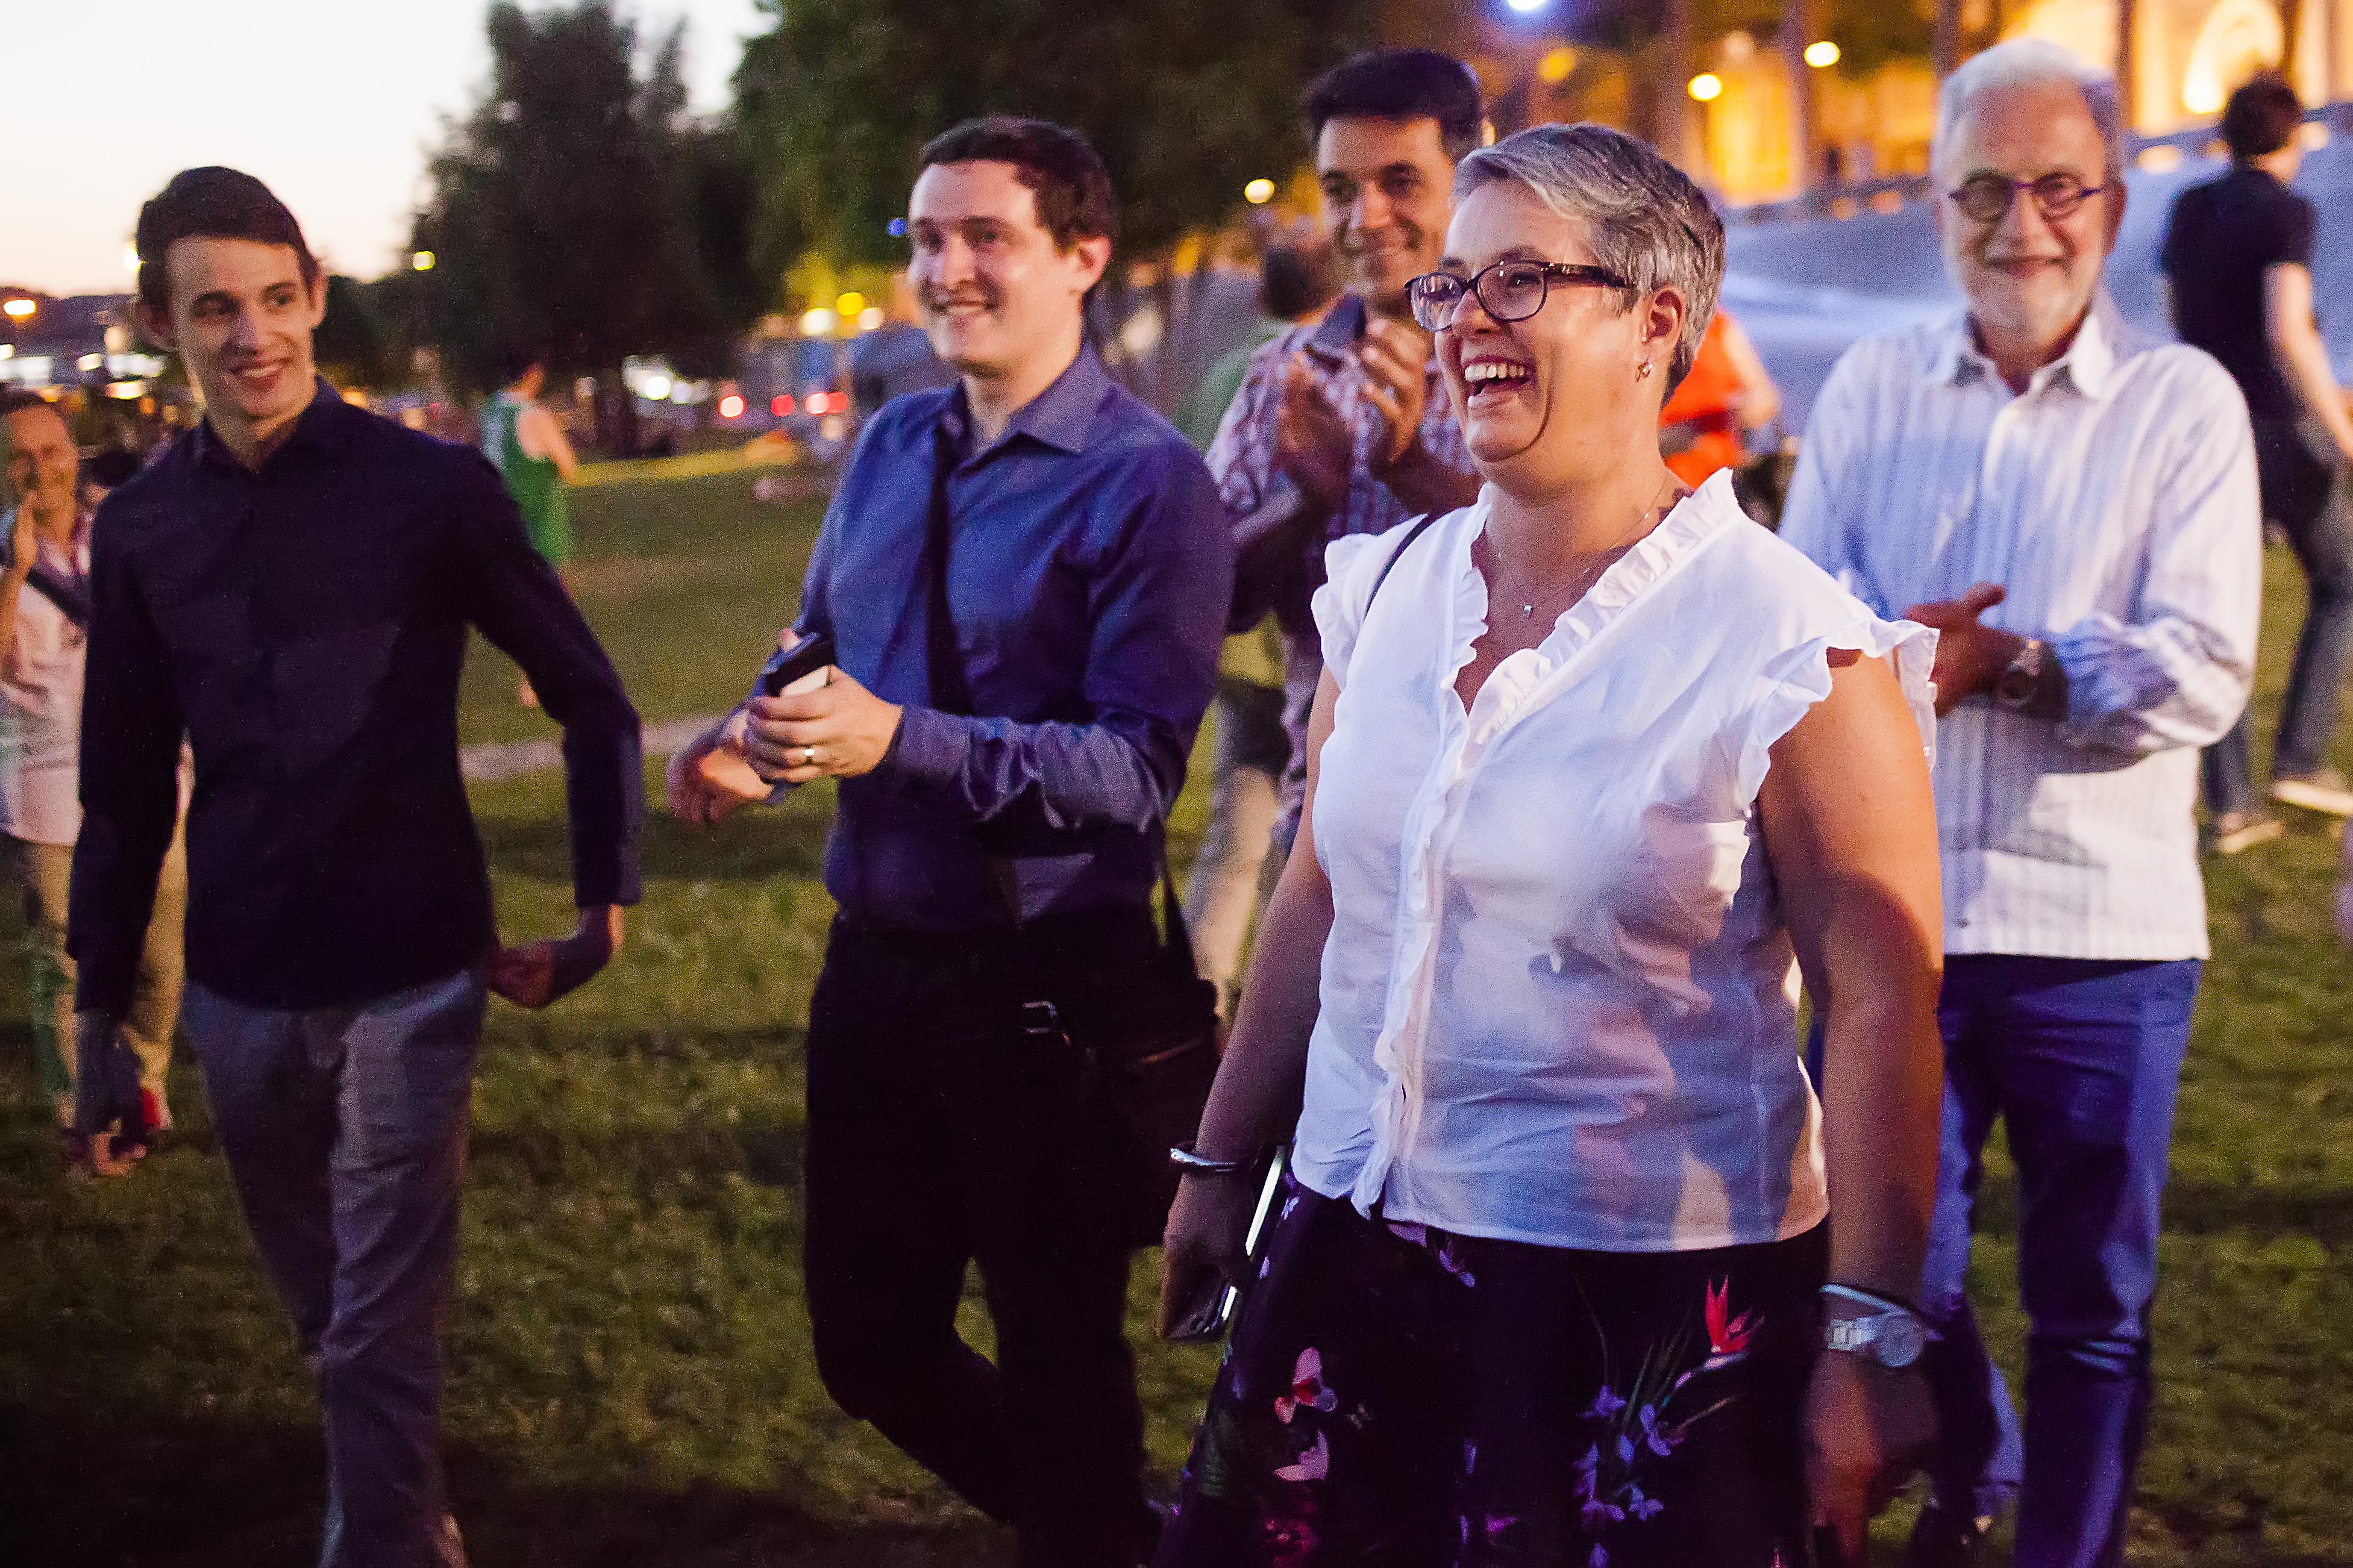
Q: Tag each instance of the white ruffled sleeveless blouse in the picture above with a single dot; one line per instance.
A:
(1553, 1002)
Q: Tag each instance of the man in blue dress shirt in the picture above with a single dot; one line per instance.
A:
(995, 842)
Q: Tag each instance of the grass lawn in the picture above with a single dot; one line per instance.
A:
(630, 1379)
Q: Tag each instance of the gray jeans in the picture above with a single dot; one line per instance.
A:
(345, 1133)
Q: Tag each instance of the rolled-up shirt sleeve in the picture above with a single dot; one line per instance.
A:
(1157, 609)
(2178, 671)
(130, 728)
(515, 596)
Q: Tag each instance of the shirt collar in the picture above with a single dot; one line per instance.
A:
(2089, 364)
(319, 425)
(1060, 417)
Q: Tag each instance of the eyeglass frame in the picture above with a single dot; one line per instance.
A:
(1984, 178)
(1580, 273)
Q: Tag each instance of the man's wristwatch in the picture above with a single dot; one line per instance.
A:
(2021, 679)
(1890, 1334)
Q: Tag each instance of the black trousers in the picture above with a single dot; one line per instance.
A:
(942, 1132)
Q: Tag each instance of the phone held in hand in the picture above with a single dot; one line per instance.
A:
(1336, 335)
(799, 669)
(1210, 1311)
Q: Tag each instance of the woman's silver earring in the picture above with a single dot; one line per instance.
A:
(1644, 374)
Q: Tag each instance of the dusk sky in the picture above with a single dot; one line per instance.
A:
(333, 102)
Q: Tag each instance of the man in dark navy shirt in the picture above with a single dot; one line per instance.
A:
(2238, 273)
(993, 840)
(291, 586)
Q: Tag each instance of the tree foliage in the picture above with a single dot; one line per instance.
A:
(1186, 100)
(579, 212)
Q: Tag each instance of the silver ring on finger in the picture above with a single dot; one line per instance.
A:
(808, 756)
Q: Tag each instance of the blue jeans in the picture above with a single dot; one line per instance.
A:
(2309, 498)
(2079, 1059)
(345, 1133)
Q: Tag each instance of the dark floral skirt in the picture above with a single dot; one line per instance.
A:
(1396, 1395)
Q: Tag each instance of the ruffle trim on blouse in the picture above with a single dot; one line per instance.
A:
(1353, 563)
(1803, 679)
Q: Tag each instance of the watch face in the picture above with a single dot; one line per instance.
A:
(1900, 1340)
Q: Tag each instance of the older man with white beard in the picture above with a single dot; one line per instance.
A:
(2071, 504)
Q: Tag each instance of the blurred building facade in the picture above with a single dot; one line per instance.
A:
(1822, 93)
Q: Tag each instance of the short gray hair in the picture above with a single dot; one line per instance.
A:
(1643, 218)
(2030, 62)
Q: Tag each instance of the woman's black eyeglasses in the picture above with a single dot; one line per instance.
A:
(1508, 291)
(1987, 197)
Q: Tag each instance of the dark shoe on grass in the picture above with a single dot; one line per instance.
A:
(2234, 831)
(2323, 789)
(1945, 1539)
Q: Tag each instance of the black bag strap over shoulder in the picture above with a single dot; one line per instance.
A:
(1421, 526)
(70, 598)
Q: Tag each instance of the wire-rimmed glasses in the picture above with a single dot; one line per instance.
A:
(1985, 197)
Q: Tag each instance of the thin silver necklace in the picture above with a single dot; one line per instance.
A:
(1606, 559)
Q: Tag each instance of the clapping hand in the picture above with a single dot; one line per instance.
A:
(534, 974)
(1312, 443)
(1396, 358)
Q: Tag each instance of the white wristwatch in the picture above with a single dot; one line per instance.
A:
(1891, 1334)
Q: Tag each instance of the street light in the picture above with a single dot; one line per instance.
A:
(18, 308)
(1707, 87)
(422, 261)
(1258, 193)
(1556, 65)
(1527, 8)
(1822, 54)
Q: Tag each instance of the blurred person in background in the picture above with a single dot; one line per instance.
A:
(1573, 1268)
(526, 443)
(895, 358)
(1342, 426)
(2237, 261)
(2071, 504)
(44, 650)
(1705, 424)
(1295, 284)
(1251, 749)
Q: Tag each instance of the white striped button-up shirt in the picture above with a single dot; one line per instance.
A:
(2115, 500)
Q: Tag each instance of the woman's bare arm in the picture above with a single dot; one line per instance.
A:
(1850, 826)
(1255, 1099)
(542, 435)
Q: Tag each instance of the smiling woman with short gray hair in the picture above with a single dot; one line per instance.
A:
(1592, 758)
